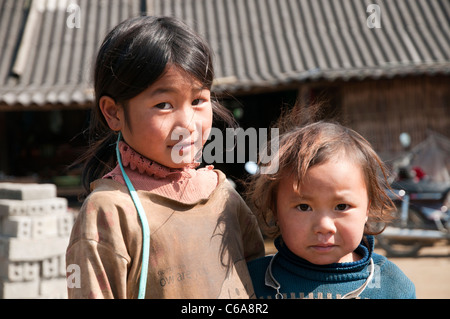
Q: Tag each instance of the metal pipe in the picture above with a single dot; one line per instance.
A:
(413, 234)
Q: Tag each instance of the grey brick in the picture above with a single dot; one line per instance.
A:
(27, 191)
(17, 226)
(4, 248)
(30, 270)
(53, 288)
(19, 270)
(65, 224)
(32, 249)
(50, 206)
(45, 226)
(10, 207)
(52, 225)
(50, 267)
(19, 289)
(62, 265)
(11, 271)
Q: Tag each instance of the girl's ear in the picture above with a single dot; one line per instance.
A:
(112, 112)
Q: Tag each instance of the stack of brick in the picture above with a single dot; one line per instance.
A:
(35, 226)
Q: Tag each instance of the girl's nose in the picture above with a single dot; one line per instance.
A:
(186, 118)
(185, 126)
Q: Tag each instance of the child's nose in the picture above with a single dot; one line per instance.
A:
(325, 225)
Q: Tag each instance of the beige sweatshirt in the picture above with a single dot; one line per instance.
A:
(198, 250)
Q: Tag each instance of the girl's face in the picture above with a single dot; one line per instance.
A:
(170, 121)
(324, 221)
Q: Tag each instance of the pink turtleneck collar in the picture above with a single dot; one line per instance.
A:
(187, 185)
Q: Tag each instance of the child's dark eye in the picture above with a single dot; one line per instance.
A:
(304, 207)
(342, 207)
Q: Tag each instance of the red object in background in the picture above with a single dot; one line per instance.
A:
(419, 172)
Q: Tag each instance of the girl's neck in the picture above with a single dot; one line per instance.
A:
(186, 185)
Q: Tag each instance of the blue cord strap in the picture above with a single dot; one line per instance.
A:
(144, 223)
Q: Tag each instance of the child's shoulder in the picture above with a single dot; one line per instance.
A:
(386, 265)
(257, 270)
(392, 279)
(257, 267)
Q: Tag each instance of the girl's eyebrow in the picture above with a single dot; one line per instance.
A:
(163, 90)
(172, 89)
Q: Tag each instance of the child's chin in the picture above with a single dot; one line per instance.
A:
(327, 260)
(322, 259)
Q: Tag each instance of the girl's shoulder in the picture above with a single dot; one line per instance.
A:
(225, 185)
(105, 185)
(107, 190)
(107, 197)
(107, 218)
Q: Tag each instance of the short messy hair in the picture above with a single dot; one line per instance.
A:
(301, 146)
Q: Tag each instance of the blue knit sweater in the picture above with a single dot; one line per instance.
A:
(299, 278)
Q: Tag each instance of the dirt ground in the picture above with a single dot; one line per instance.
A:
(429, 271)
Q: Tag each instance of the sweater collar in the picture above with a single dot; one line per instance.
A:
(330, 272)
(186, 185)
(138, 162)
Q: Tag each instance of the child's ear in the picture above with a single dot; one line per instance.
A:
(368, 210)
(112, 112)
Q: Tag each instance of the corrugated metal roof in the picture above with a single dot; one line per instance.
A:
(56, 58)
(257, 43)
(273, 42)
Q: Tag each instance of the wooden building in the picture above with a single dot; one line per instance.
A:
(385, 69)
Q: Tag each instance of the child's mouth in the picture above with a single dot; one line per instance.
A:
(323, 248)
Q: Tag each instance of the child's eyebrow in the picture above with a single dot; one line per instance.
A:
(304, 197)
(345, 195)
(297, 197)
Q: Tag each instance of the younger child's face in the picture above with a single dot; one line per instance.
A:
(324, 221)
(170, 121)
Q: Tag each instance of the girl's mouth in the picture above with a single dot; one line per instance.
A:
(182, 146)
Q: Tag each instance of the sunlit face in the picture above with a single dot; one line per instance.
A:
(323, 222)
(170, 121)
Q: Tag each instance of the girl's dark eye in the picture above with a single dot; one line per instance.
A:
(163, 106)
(198, 101)
(304, 207)
(342, 207)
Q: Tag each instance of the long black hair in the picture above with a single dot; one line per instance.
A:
(131, 58)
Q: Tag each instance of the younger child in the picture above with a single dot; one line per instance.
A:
(323, 205)
(154, 226)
